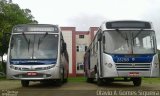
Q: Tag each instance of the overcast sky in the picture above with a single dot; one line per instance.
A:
(83, 14)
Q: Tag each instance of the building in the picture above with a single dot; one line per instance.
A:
(77, 43)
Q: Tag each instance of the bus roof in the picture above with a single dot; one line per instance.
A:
(126, 24)
(35, 27)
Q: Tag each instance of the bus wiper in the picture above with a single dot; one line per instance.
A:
(137, 34)
(126, 38)
(28, 41)
(133, 37)
(41, 39)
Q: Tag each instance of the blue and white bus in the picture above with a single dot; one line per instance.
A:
(37, 52)
(122, 51)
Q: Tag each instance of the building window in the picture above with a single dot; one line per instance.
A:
(81, 36)
(77, 48)
(81, 48)
(80, 66)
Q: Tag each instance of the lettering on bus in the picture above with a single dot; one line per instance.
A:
(122, 59)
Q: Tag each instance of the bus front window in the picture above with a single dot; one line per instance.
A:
(34, 46)
(129, 42)
(20, 48)
(46, 46)
(143, 42)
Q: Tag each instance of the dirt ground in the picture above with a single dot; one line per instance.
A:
(13, 88)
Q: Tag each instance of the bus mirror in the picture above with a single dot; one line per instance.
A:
(99, 37)
(12, 45)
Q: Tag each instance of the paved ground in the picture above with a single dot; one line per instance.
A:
(13, 88)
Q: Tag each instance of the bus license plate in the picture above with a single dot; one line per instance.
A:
(31, 73)
(134, 74)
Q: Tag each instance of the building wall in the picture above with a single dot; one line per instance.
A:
(71, 37)
(82, 43)
(68, 40)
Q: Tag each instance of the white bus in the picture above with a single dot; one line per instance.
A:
(122, 51)
(37, 52)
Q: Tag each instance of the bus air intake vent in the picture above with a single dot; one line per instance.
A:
(133, 66)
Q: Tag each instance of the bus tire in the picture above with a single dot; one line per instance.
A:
(90, 80)
(99, 82)
(58, 82)
(65, 80)
(108, 81)
(61, 80)
(137, 81)
(24, 83)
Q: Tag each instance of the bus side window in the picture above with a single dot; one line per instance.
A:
(89, 59)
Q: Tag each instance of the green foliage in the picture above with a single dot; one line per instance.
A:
(11, 15)
(151, 80)
(77, 79)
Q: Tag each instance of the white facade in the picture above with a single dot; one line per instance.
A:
(77, 42)
(67, 37)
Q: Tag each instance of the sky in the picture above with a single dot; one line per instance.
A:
(83, 14)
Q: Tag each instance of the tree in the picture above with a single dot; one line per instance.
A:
(11, 15)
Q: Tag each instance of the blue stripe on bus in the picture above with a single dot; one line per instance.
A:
(33, 61)
(143, 58)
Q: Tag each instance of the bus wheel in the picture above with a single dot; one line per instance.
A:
(99, 82)
(90, 80)
(58, 82)
(25, 83)
(61, 80)
(137, 81)
(108, 81)
(65, 80)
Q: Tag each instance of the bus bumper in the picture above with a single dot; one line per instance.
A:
(52, 73)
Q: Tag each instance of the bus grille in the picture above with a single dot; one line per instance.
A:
(133, 66)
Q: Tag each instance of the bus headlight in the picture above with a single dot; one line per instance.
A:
(48, 67)
(15, 68)
(12, 67)
(52, 66)
(109, 65)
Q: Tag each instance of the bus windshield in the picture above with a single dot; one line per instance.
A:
(129, 41)
(34, 46)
